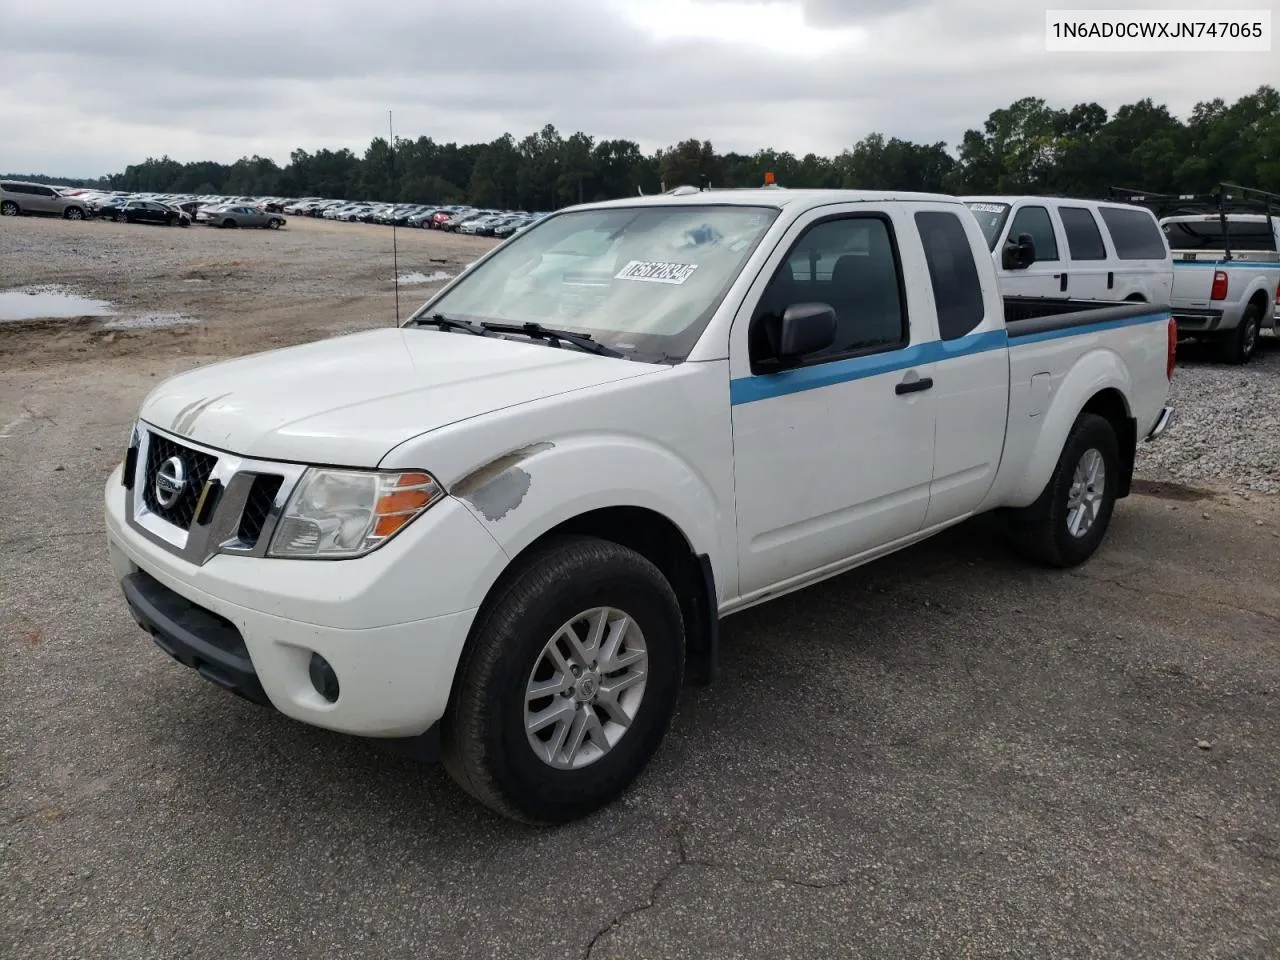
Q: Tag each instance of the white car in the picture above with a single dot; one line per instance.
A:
(511, 525)
(1079, 249)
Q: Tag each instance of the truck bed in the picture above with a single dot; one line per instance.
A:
(1028, 316)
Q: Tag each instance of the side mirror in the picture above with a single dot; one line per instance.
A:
(1020, 254)
(806, 328)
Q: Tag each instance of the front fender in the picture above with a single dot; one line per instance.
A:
(1098, 370)
(527, 492)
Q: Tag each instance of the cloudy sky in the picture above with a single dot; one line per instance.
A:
(88, 86)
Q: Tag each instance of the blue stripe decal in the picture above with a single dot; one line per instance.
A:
(752, 388)
(1233, 264)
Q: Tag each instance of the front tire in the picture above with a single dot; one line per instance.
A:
(1066, 525)
(74, 213)
(568, 684)
(8, 209)
(1239, 345)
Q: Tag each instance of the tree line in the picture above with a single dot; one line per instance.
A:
(1027, 147)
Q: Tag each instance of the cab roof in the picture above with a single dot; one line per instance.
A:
(777, 197)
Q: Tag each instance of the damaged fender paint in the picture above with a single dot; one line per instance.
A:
(499, 486)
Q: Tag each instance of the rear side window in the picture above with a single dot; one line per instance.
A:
(1084, 241)
(1035, 221)
(1134, 233)
(957, 290)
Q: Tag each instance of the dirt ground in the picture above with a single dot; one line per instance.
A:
(944, 754)
(248, 290)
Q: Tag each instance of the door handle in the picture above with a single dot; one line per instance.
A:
(914, 386)
(1063, 284)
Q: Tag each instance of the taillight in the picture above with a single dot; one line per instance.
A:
(1219, 285)
(1173, 348)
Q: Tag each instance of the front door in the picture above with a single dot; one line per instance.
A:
(1045, 277)
(833, 458)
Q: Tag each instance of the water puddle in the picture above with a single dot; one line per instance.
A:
(50, 303)
(438, 276)
(145, 321)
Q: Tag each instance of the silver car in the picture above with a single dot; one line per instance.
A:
(242, 216)
(18, 197)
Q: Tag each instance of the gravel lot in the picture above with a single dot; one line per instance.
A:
(1228, 429)
(945, 754)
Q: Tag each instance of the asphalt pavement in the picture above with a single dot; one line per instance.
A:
(945, 754)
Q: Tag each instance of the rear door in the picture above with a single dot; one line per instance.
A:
(1047, 276)
(1089, 276)
(971, 375)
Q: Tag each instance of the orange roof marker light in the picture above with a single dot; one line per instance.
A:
(769, 180)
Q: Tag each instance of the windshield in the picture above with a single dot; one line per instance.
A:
(990, 218)
(641, 280)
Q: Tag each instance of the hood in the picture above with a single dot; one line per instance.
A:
(349, 400)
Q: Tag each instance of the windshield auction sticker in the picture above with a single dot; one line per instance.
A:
(987, 207)
(655, 272)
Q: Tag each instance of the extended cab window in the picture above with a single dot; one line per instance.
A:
(850, 264)
(957, 289)
(1084, 240)
(1035, 221)
(1134, 233)
(643, 280)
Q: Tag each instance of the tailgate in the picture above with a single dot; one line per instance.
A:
(1192, 278)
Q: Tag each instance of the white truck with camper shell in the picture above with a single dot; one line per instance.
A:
(1075, 249)
(508, 527)
(1226, 266)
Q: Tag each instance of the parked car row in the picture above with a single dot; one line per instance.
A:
(185, 209)
(457, 218)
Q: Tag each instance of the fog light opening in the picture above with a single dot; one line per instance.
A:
(323, 678)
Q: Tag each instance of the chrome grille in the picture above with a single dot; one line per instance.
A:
(197, 468)
(257, 507)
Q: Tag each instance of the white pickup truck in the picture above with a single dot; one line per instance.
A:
(1226, 285)
(510, 526)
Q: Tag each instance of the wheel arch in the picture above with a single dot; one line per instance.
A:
(1110, 404)
(663, 543)
(1098, 383)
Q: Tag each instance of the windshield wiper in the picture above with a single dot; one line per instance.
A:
(448, 323)
(537, 331)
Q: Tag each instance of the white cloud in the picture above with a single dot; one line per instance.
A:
(87, 87)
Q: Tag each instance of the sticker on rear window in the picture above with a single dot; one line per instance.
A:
(986, 207)
(652, 271)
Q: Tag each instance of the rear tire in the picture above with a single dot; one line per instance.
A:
(8, 209)
(1240, 344)
(488, 745)
(1066, 525)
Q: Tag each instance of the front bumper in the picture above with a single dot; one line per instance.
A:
(391, 625)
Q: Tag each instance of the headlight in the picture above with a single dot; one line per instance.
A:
(334, 514)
